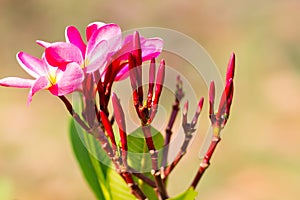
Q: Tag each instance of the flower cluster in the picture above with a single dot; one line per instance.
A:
(72, 65)
(91, 68)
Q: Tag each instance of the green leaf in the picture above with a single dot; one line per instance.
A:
(118, 187)
(140, 159)
(89, 154)
(93, 170)
(148, 190)
(187, 195)
(138, 155)
(105, 182)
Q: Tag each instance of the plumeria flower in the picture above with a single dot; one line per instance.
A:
(102, 40)
(58, 81)
(104, 46)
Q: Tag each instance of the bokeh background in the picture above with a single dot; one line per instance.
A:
(259, 156)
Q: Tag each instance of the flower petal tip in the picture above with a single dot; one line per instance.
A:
(43, 43)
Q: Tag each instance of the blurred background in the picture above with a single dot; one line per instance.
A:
(259, 156)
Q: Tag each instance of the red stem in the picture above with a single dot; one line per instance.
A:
(109, 130)
(169, 132)
(206, 161)
(188, 128)
(135, 190)
(154, 158)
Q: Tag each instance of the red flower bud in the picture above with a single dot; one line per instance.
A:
(229, 92)
(230, 68)
(197, 113)
(151, 81)
(120, 120)
(159, 81)
(133, 78)
(212, 100)
(137, 51)
(225, 103)
(109, 130)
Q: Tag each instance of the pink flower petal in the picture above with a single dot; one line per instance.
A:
(73, 36)
(91, 28)
(43, 43)
(151, 48)
(98, 57)
(40, 84)
(32, 65)
(109, 32)
(69, 80)
(59, 54)
(16, 82)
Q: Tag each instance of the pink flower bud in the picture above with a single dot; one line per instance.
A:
(230, 68)
(225, 103)
(159, 81)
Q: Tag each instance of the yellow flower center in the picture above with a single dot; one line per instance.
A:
(52, 78)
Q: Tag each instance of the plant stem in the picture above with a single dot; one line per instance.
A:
(180, 154)
(188, 128)
(179, 94)
(169, 132)
(154, 158)
(74, 114)
(141, 176)
(135, 189)
(206, 160)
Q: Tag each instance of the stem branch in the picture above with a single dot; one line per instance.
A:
(180, 154)
(154, 158)
(206, 160)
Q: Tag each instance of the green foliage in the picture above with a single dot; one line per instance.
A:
(118, 188)
(102, 179)
(93, 170)
(97, 168)
(89, 154)
(187, 195)
(138, 155)
(140, 159)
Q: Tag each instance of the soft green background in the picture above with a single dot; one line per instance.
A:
(258, 158)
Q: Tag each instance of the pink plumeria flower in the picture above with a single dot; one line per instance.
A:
(104, 45)
(102, 40)
(57, 81)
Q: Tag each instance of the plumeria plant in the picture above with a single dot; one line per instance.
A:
(114, 162)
